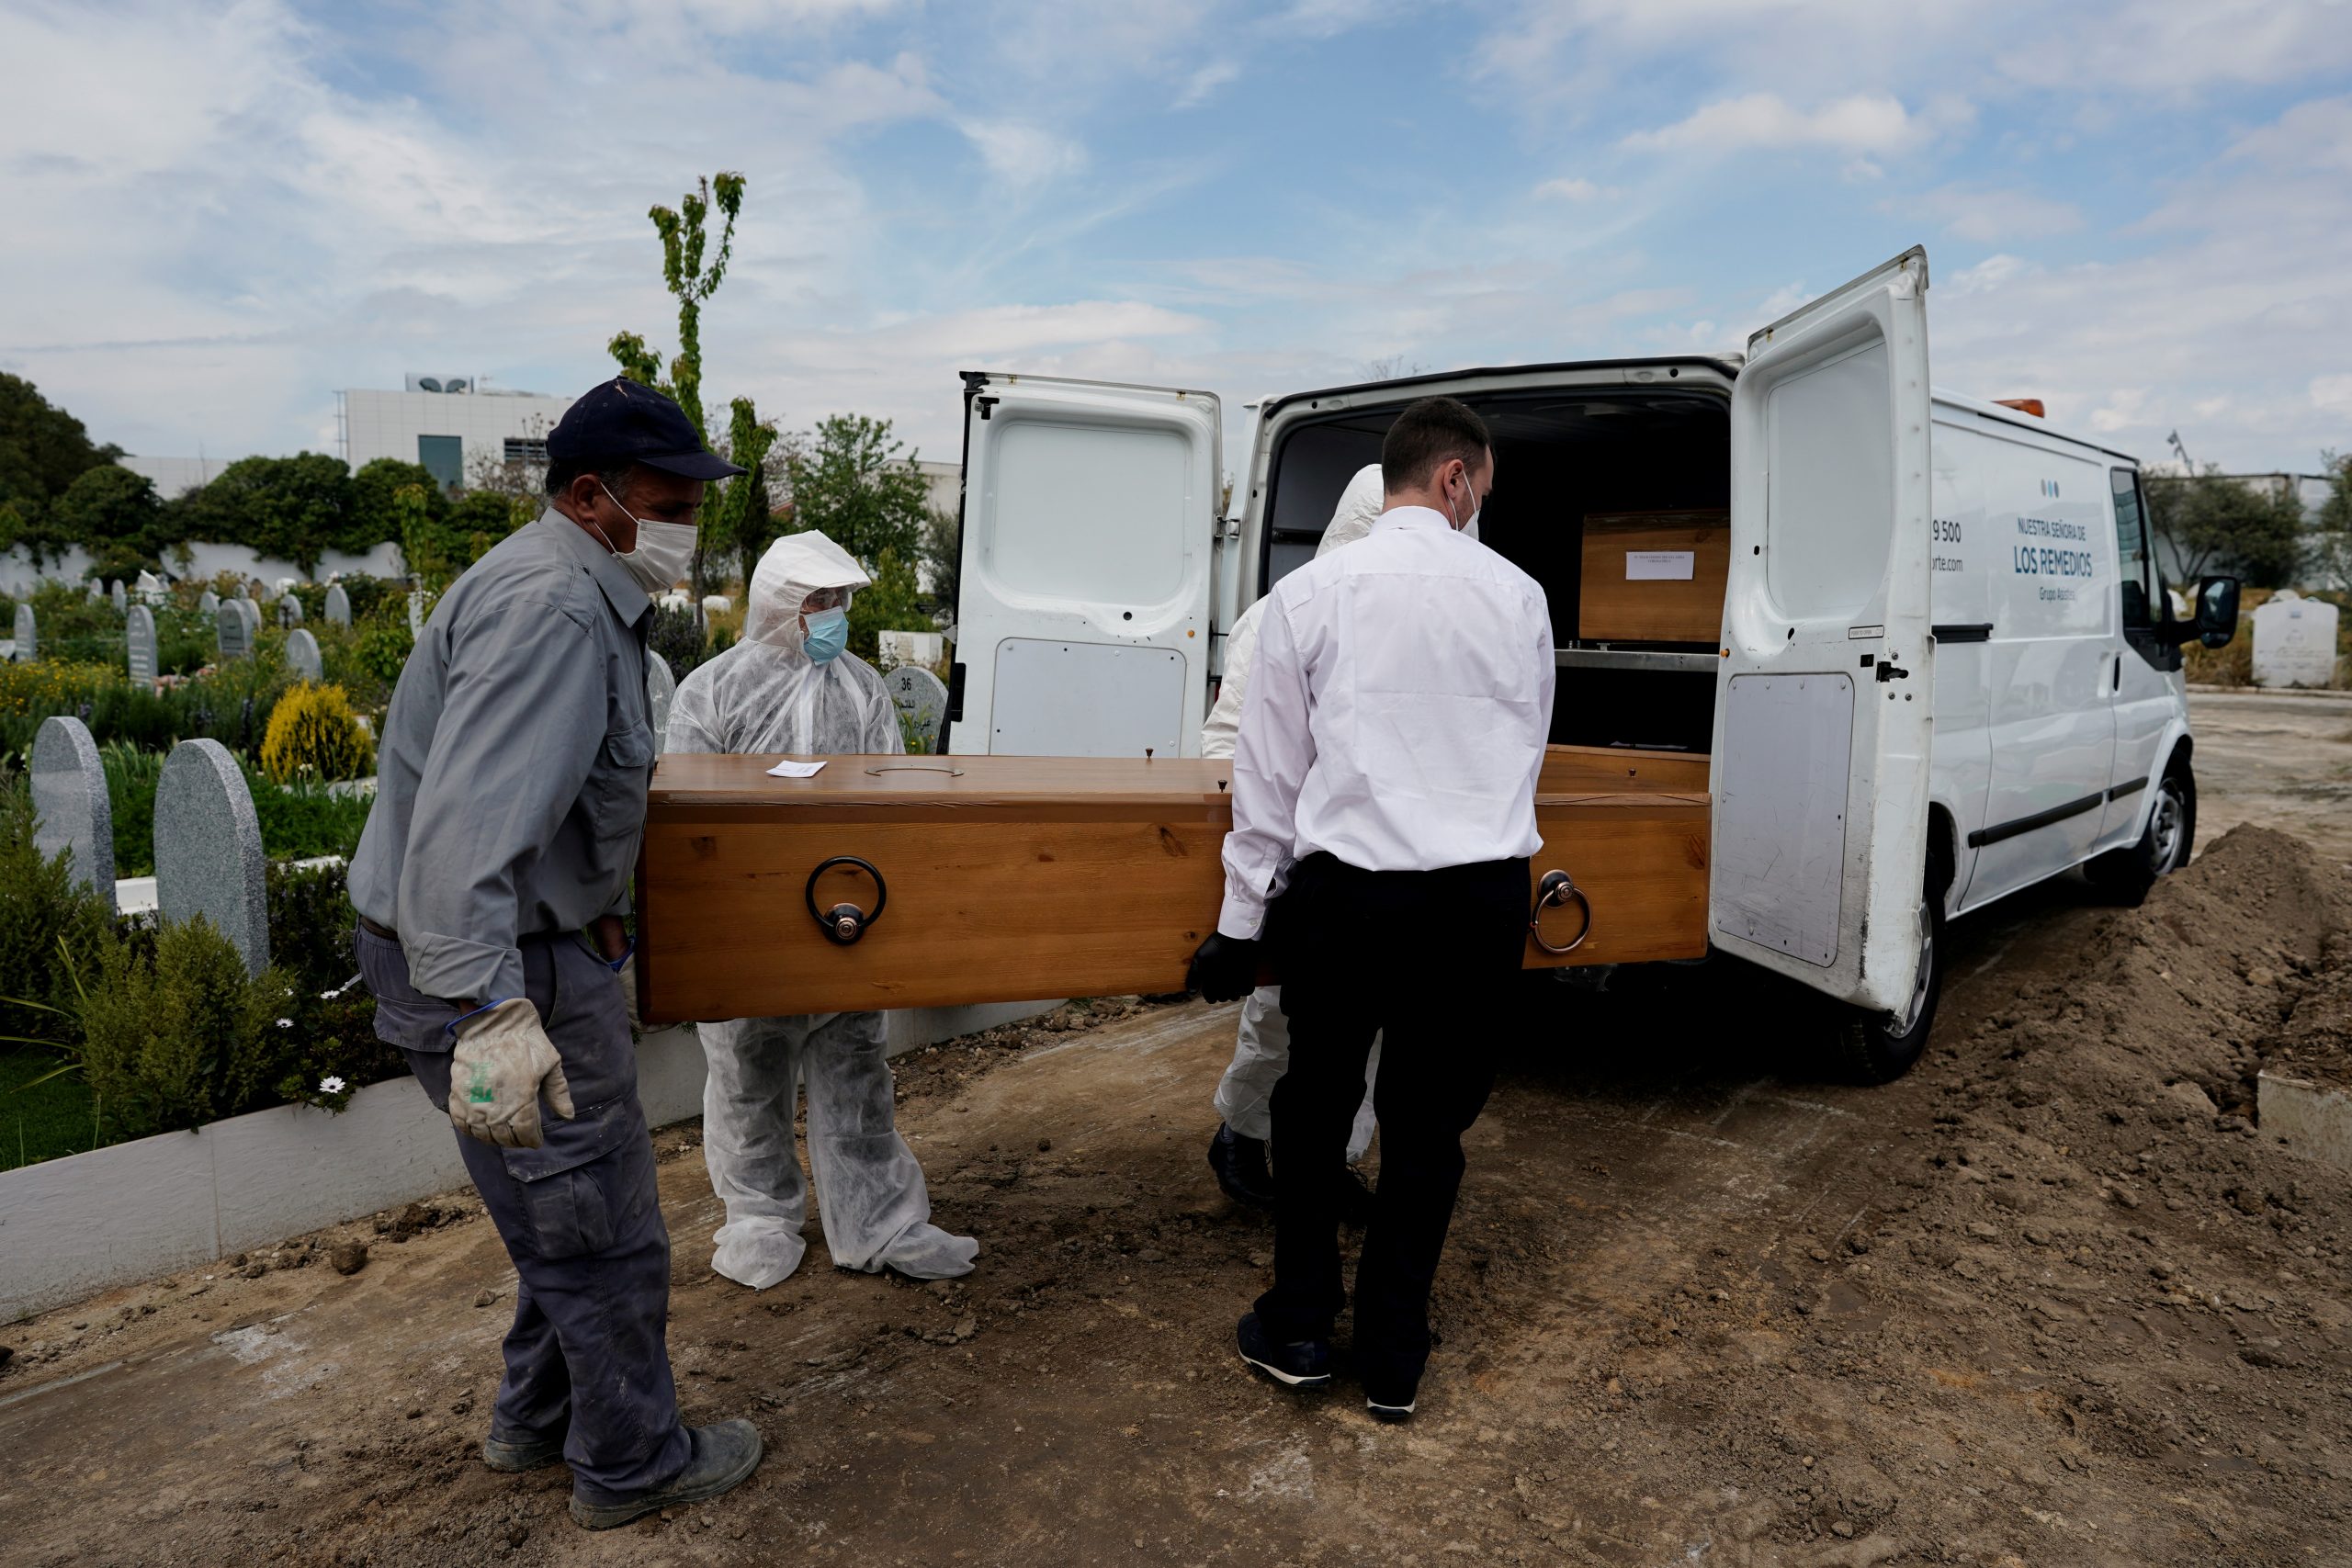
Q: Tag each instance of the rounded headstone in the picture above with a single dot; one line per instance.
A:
(207, 601)
(121, 597)
(251, 612)
(98, 590)
(289, 611)
(139, 634)
(70, 803)
(208, 856)
(28, 642)
(921, 696)
(338, 607)
(302, 653)
(661, 686)
(235, 637)
(2294, 642)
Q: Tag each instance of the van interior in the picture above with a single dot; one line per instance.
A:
(1561, 457)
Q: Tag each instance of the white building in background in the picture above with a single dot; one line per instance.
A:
(448, 424)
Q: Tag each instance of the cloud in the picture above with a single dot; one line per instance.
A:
(1863, 123)
(1023, 154)
(1571, 189)
(2184, 46)
(1989, 216)
(2333, 394)
(1204, 84)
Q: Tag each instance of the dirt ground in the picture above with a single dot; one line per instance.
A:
(2052, 1298)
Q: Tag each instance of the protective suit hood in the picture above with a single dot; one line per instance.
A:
(795, 567)
(1360, 503)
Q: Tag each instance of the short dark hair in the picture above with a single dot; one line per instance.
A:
(615, 474)
(1433, 431)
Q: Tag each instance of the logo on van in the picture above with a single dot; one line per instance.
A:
(2050, 488)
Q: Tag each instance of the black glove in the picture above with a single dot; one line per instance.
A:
(1225, 968)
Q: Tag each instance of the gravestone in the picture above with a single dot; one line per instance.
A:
(2294, 642)
(121, 597)
(660, 686)
(236, 639)
(70, 802)
(207, 601)
(150, 588)
(139, 631)
(209, 858)
(416, 613)
(28, 643)
(338, 610)
(922, 697)
(302, 653)
(98, 590)
(251, 612)
(289, 611)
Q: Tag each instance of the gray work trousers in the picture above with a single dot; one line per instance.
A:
(587, 1358)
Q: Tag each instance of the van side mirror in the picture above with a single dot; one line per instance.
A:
(2217, 611)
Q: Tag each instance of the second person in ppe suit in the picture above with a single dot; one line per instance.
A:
(1262, 1047)
(791, 686)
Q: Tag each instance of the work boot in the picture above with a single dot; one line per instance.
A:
(512, 1456)
(1241, 1166)
(1301, 1364)
(723, 1457)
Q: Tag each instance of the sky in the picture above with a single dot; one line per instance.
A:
(216, 215)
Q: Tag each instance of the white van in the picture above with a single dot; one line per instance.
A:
(1945, 668)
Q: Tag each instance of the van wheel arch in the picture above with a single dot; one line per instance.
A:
(2167, 837)
(1876, 1047)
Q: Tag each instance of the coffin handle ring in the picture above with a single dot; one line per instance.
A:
(950, 769)
(1553, 891)
(844, 923)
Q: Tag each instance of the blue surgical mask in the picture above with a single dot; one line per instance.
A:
(828, 635)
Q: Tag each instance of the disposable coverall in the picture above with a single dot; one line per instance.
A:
(1262, 1047)
(767, 695)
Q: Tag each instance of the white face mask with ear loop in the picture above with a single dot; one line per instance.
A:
(1470, 528)
(664, 551)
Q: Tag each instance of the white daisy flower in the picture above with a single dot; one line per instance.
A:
(285, 1023)
(329, 1086)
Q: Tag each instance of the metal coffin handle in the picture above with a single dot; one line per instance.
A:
(1552, 891)
(844, 923)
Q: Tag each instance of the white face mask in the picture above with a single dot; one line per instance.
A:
(664, 551)
(1470, 527)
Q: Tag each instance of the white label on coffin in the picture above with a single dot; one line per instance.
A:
(1661, 566)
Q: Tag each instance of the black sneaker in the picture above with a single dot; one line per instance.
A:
(723, 1457)
(513, 1456)
(1304, 1363)
(1241, 1166)
(1390, 1399)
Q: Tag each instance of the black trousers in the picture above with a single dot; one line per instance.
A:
(1428, 957)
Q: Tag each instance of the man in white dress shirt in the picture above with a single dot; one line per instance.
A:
(1384, 811)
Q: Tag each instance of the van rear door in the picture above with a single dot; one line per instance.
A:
(1823, 702)
(1090, 516)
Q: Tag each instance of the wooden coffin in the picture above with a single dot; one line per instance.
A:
(1630, 591)
(1017, 877)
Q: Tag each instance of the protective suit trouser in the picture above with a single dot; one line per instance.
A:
(1411, 953)
(870, 1192)
(587, 1358)
(1260, 1056)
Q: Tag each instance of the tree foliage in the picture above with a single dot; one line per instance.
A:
(114, 515)
(292, 509)
(2331, 556)
(685, 241)
(2209, 521)
(44, 450)
(892, 603)
(942, 552)
(851, 483)
(746, 521)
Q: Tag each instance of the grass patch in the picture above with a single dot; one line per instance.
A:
(45, 1121)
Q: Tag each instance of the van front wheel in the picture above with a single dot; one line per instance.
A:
(2127, 874)
(1880, 1047)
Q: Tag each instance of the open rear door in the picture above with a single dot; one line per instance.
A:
(1089, 518)
(1822, 711)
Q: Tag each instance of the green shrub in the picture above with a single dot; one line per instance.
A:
(180, 1038)
(310, 919)
(41, 906)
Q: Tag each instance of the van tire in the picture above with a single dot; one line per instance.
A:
(2126, 874)
(1870, 1047)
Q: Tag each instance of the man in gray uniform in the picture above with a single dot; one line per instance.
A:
(491, 882)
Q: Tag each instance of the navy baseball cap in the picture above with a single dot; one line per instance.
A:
(624, 420)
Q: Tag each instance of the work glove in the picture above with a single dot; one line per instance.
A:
(1225, 968)
(502, 1066)
(625, 967)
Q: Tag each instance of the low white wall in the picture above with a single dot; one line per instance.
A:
(72, 1228)
(210, 561)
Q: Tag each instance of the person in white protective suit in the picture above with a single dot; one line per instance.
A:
(1262, 1049)
(790, 686)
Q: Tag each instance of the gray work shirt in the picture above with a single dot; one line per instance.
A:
(511, 776)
